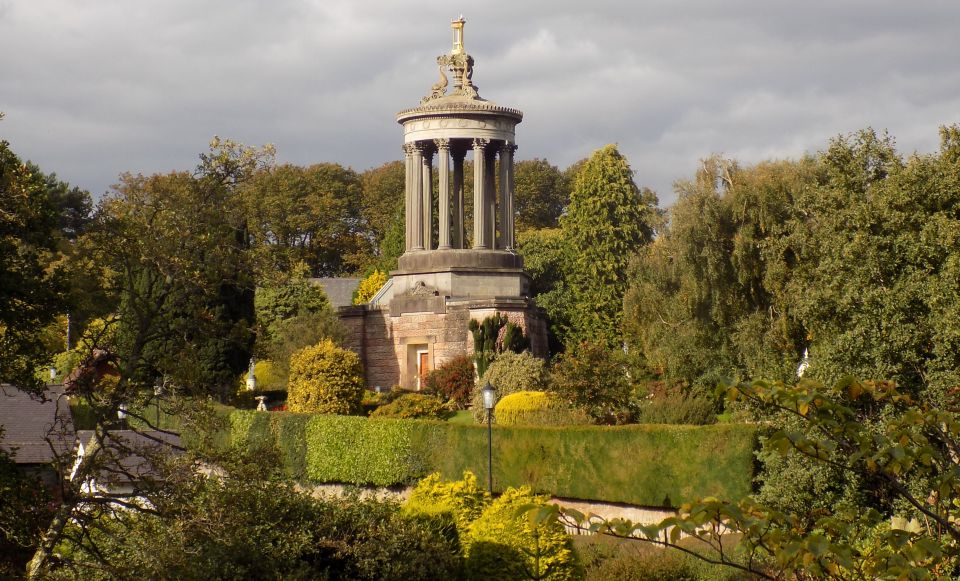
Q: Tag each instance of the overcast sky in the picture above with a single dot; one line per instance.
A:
(93, 88)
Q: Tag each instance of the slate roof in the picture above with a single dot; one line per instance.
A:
(130, 452)
(28, 421)
(338, 290)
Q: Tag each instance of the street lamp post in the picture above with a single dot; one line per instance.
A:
(489, 400)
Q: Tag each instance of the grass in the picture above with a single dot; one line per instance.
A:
(461, 417)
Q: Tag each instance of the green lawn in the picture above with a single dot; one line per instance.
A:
(461, 417)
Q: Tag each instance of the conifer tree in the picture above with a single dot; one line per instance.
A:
(608, 220)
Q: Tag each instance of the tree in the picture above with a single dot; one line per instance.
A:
(909, 459)
(544, 258)
(542, 192)
(31, 293)
(184, 324)
(609, 219)
(186, 308)
(847, 255)
(292, 315)
(292, 298)
(383, 194)
(310, 214)
(709, 297)
(877, 265)
(594, 378)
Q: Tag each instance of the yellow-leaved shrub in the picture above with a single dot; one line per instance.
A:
(267, 376)
(537, 408)
(325, 379)
(458, 502)
(369, 286)
(505, 544)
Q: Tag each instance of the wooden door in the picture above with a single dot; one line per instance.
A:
(423, 366)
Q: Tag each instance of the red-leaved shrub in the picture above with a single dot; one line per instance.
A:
(453, 380)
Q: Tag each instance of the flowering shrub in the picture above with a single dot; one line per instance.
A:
(457, 502)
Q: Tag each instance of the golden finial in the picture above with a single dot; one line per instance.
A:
(457, 26)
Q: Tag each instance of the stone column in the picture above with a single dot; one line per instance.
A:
(491, 197)
(416, 176)
(504, 195)
(443, 193)
(507, 227)
(408, 192)
(480, 228)
(427, 198)
(458, 155)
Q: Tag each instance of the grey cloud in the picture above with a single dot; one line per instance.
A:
(96, 88)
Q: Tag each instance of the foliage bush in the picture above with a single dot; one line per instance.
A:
(509, 373)
(267, 378)
(413, 405)
(358, 450)
(245, 524)
(495, 335)
(605, 558)
(325, 379)
(537, 408)
(378, 541)
(454, 380)
(651, 465)
(676, 409)
(454, 502)
(372, 400)
(596, 378)
(370, 286)
(504, 544)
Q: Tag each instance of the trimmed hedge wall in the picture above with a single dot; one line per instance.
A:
(650, 465)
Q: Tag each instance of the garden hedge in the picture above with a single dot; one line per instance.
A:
(650, 465)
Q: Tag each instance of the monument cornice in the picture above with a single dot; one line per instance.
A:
(457, 110)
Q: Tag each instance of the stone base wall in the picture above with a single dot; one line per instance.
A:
(390, 344)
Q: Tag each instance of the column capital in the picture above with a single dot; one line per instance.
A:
(442, 144)
(480, 142)
(427, 149)
(409, 148)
